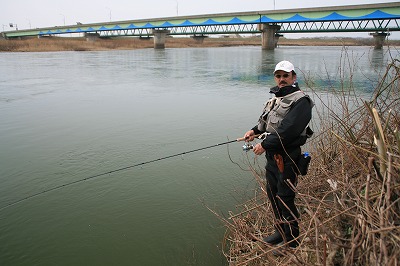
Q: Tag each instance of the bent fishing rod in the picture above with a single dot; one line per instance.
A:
(246, 147)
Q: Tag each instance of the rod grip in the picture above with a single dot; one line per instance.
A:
(243, 138)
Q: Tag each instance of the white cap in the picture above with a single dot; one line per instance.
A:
(285, 66)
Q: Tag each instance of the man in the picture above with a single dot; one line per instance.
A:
(284, 122)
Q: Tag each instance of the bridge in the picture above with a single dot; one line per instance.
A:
(376, 19)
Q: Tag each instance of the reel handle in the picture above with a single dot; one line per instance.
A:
(247, 146)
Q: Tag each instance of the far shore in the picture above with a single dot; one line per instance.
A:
(51, 44)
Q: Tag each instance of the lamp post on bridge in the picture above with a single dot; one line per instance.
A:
(176, 7)
(109, 13)
(63, 18)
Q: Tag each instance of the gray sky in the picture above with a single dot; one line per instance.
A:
(45, 13)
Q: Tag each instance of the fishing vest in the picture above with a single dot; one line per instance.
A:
(275, 111)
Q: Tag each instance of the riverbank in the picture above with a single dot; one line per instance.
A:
(125, 43)
(349, 200)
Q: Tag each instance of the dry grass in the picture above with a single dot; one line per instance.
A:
(71, 44)
(80, 44)
(333, 42)
(350, 200)
(125, 43)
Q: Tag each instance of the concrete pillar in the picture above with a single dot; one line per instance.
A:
(277, 36)
(269, 37)
(91, 36)
(379, 39)
(159, 38)
(198, 38)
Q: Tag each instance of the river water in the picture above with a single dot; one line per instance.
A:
(68, 116)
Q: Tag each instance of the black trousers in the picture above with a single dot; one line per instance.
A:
(284, 207)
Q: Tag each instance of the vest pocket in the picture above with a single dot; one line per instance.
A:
(273, 122)
(283, 108)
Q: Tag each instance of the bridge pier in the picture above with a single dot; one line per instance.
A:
(198, 38)
(269, 35)
(277, 36)
(379, 39)
(159, 38)
(91, 36)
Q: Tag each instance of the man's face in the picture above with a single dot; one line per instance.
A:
(283, 78)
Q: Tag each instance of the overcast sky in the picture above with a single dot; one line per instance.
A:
(45, 13)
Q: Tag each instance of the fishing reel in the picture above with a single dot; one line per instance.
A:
(247, 146)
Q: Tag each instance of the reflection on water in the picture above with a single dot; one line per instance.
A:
(71, 115)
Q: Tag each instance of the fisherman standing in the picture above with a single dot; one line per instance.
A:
(284, 122)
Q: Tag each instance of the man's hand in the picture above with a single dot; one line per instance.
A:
(258, 149)
(249, 136)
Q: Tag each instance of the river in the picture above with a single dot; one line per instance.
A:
(68, 116)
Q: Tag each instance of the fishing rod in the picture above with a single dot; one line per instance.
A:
(245, 147)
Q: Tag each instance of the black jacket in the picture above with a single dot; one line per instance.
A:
(292, 125)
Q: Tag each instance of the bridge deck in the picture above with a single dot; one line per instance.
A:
(379, 17)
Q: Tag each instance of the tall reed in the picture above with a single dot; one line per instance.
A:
(350, 199)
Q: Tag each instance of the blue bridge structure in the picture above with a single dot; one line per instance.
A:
(376, 19)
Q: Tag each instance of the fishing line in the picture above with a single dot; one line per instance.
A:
(114, 171)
